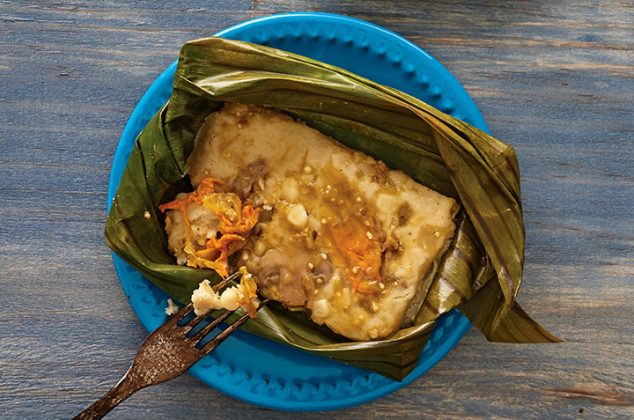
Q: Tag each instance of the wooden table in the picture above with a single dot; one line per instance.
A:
(554, 79)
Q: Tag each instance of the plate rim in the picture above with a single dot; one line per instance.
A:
(459, 328)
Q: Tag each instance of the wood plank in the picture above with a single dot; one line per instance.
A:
(554, 79)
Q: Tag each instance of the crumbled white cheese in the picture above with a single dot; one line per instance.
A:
(171, 307)
(321, 309)
(230, 298)
(205, 298)
(297, 215)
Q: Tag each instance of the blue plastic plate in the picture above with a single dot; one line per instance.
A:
(254, 369)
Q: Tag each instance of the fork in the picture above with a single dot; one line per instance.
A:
(167, 353)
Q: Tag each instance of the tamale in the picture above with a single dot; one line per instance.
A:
(481, 270)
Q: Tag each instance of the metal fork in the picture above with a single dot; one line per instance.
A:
(166, 353)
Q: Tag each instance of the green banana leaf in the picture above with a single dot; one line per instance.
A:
(480, 273)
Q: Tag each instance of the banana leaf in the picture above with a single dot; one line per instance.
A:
(481, 271)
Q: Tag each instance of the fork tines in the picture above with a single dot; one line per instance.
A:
(198, 336)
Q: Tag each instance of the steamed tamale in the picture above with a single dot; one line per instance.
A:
(340, 235)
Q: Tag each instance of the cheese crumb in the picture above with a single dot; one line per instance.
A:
(171, 307)
(297, 215)
(369, 235)
(147, 214)
(230, 298)
(205, 298)
(321, 309)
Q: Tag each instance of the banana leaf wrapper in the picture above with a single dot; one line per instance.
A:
(481, 271)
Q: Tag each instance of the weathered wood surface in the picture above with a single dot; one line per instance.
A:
(554, 79)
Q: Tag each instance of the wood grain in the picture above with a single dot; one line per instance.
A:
(554, 79)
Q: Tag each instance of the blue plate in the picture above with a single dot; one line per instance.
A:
(254, 369)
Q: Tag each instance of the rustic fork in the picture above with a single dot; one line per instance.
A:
(167, 353)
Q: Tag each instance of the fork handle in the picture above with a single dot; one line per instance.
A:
(127, 386)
